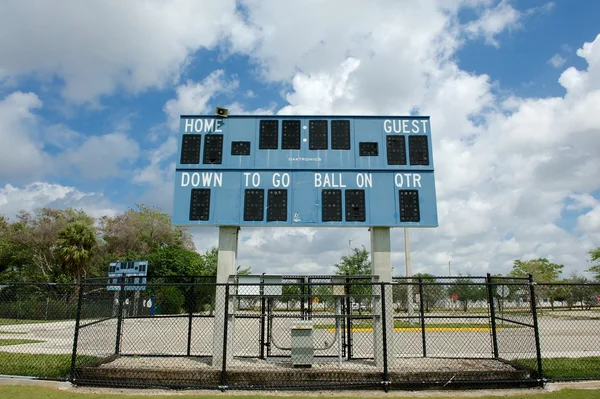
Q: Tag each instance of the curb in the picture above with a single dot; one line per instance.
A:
(32, 381)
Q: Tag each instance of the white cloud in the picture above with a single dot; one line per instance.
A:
(494, 21)
(42, 194)
(21, 152)
(590, 222)
(579, 83)
(582, 201)
(557, 61)
(193, 97)
(96, 47)
(101, 156)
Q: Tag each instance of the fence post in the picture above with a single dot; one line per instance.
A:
(191, 304)
(120, 315)
(535, 325)
(492, 314)
(422, 314)
(76, 335)
(348, 319)
(384, 338)
(262, 317)
(225, 339)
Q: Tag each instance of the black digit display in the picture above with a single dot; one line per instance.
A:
(355, 206)
(254, 205)
(200, 204)
(418, 150)
(396, 150)
(368, 149)
(213, 149)
(409, 206)
(240, 148)
(290, 130)
(340, 134)
(277, 205)
(331, 205)
(268, 136)
(190, 148)
(317, 135)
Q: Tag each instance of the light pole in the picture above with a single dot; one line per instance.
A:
(449, 272)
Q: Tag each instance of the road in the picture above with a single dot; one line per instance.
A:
(559, 337)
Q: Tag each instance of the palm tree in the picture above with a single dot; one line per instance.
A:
(75, 246)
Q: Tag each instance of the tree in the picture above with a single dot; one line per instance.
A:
(595, 257)
(357, 264)
(583, 292)
(291, 292)
(75, 245)
(139, 232)
(467, 291)
(32, 242)
(542, 269)
(431, 292)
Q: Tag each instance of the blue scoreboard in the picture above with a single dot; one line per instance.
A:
(334, 171)
(135, 272)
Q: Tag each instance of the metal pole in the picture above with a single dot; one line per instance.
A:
(384, 338)
(338, 326)
(492, 315)
(269, 325)
(409, 291)
(191, 299)
(535, 325)
(303, 299)
(422, 313)
(76, 337)
(120, 315)
(262, 317)
(224, 365)
(449, 271)
(348, 319)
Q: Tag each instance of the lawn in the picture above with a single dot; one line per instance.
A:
(566, 367)
(5, 342)
(38, 365)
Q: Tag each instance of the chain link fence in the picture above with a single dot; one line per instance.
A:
(568, 315)
(267, 332)
(37, 321)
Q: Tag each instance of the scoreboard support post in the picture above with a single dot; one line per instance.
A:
(226, 268)
(381, 271)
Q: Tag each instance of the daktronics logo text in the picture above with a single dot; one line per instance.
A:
(304, 159)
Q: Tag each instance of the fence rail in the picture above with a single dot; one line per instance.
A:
(302, 331)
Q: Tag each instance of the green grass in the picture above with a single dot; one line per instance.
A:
(12, 332)
(564, 367)
(28, 392)
(38, 365)
(5, 342)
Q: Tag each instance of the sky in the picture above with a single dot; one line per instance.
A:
(91, 93)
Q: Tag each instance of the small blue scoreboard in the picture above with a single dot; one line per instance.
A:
(305, 171)
(135, 272)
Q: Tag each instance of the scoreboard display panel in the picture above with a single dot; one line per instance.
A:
(305, 171)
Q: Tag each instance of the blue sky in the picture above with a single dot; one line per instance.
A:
(86, 118)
